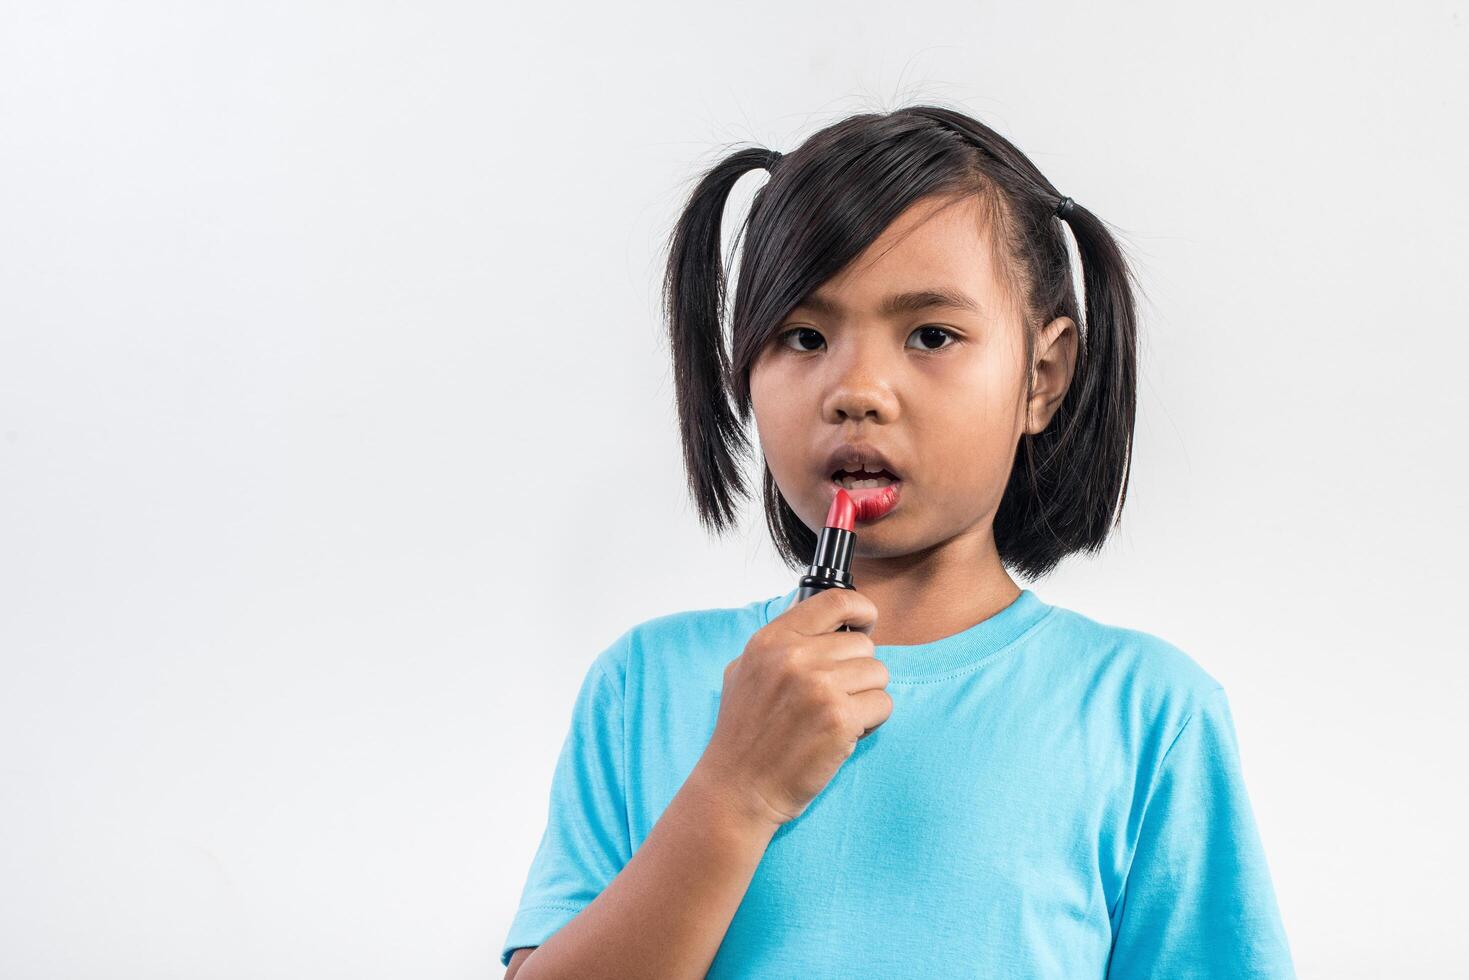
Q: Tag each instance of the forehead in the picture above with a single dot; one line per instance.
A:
(941, 245)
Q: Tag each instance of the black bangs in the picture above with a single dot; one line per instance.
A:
(824, 204)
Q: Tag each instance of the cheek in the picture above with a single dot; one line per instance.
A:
(765, 383)
(970, 434)
(775, 418)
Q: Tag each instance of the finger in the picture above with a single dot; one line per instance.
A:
(861, 673)
(827, 610)
(870, 709)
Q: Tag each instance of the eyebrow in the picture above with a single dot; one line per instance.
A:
(938, 297)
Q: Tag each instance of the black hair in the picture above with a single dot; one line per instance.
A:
(824, 203)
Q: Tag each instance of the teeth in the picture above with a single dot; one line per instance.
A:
(852, 483)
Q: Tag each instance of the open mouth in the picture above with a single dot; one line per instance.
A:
(864, 479)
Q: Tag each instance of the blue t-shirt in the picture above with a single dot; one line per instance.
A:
(1050, 797)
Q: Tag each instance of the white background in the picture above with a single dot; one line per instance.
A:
(315, 319)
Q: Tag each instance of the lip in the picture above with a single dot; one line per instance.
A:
(872, 503)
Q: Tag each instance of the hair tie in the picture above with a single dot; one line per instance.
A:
(775, 157)
(1064, 208)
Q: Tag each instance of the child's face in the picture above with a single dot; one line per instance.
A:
(946, 410)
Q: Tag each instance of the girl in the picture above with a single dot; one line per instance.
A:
(970, 781)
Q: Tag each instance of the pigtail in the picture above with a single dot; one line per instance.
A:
(712, 431)
(1071, 489)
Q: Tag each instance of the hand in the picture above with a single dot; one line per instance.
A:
(794, 704)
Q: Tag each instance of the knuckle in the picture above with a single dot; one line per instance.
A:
(814, 684)
(791, 663)
(792, 681)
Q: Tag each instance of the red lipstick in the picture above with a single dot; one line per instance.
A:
(843, 512)
(874, 502)
(831, 566)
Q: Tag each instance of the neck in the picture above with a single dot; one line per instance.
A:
(934, 593)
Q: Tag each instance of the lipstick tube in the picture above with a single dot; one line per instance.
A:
(831, 565)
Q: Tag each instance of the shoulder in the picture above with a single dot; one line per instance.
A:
(681, 642)
(1149, 674)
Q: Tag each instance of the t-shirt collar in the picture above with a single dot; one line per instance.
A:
(957, 652)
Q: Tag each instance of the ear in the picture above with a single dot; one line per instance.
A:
(1055, 364)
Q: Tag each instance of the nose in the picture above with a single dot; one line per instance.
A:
(860, 390)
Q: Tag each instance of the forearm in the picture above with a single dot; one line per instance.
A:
(666, 912)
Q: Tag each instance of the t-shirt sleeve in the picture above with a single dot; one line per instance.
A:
(587, 840)
(1198, 900)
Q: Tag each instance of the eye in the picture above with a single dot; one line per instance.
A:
(805, 333)
(929, 332)
(933, 332)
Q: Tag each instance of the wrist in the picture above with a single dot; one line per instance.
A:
(743, 809)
